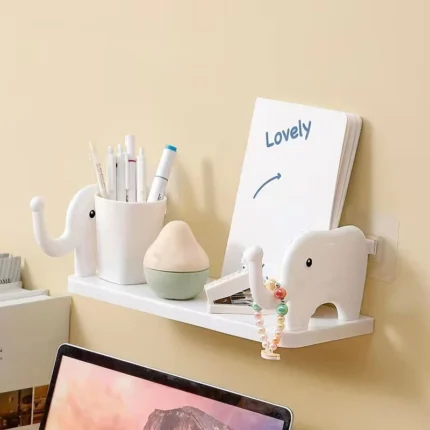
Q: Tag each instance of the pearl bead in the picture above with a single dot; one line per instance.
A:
(282, 309)
(258, 316)
(263, 338)
(270, 284)
(275, 341)
(280, 326)
(280, 318)
(261, 330)
(259, 323)
(278, 333)
(280, 293)
(256, 307)
(265, 345)
(273, 346)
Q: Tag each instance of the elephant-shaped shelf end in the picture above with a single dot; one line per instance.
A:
(79, 233)
(318, 268)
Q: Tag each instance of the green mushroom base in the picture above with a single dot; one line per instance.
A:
(176, 285)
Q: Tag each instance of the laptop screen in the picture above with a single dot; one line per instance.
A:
(88, 396)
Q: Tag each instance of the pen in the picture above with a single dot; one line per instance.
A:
(130, 150)
(120, 175)
(127, 177)
(111, 173)
(159, 184)
(99, 172)
(141, 177)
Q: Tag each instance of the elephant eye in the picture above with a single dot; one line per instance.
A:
(309, 262)
(92, 213)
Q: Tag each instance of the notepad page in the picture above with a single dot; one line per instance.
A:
(347, 161)
(288, 181)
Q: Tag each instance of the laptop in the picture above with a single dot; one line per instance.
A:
(91, 391)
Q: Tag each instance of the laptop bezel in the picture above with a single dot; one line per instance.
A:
(170, 380)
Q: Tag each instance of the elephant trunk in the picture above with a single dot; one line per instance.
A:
(79, 232)
(52, 247)
(254, 260)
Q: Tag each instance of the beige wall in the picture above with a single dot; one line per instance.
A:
(187, 73)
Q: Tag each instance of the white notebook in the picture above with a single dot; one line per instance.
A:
(294, 179)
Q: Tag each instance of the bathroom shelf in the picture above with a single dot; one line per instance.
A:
(324, 326)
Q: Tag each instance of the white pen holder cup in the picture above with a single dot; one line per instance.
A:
(124, 233)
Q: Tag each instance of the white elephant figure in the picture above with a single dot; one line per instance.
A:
(79, 234)
(319, 267)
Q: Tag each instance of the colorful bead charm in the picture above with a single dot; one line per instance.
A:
(282, 309)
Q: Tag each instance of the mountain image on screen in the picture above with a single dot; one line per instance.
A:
(186, 418)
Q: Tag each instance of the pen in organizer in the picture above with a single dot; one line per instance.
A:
(120, 175)
(159, 184)
(141, 177)
(130, 150)
(127, 178)
(111, 173)
(99, 172)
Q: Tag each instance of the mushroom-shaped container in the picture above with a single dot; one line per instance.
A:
(176, 266)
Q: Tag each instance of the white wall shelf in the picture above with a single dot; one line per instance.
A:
(324, 326)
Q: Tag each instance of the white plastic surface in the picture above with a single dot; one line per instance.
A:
(78, 234)
(124, 233)
(323, 327)
(318, 268)
(383, 265)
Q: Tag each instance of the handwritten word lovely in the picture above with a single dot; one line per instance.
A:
(300, 130)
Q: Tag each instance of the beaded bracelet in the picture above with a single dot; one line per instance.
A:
(282, 309)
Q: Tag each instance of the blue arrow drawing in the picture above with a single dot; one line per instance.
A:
(278, 176)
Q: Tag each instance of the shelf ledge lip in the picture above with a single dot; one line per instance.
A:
(324, 326)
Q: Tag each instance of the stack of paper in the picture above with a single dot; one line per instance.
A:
(294, 179)
(10, 280)
(31, 331)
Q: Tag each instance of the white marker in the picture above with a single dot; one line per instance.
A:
(127, 178)
(111, 173)
(99, 172)
(159, 184)
(130, 150)
(120, 175)
(141, 177)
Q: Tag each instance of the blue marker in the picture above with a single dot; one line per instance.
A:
(161, 178)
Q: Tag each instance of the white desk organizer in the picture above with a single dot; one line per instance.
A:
(108, 237)
(337, 275)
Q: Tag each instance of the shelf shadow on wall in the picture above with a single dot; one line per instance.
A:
(201, 214)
